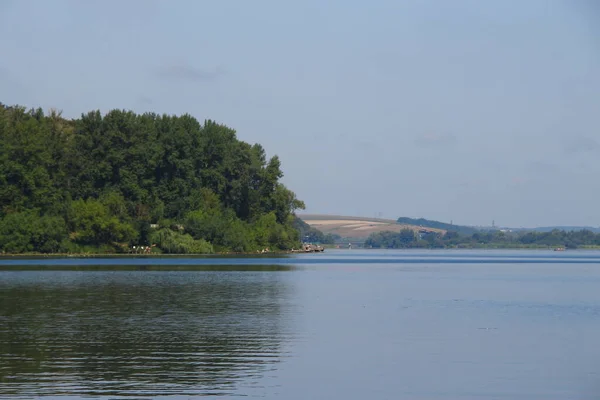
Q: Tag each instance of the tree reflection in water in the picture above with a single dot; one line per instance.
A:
(139, 333)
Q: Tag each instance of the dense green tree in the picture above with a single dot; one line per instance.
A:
(111, 178)
(91, 223)
(29, 231)
(174, 242)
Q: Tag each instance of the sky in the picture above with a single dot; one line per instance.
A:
(466, 111)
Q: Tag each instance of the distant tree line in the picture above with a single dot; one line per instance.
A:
(309, 234)
(408, 238)
(104, 183)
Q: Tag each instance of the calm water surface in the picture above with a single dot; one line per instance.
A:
(337, 325)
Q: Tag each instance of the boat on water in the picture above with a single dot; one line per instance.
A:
(309, 248)
(559, 249)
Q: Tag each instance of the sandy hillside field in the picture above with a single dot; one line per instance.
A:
(356, 227)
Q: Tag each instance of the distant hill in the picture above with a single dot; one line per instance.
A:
(560, 228)
(313, 235)
(331, 217)
(357, 228)
(427, 223)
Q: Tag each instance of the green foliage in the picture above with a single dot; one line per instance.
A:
(494, 239)
(27, 231)
(91, 223)
(172, 242)
(103, 180)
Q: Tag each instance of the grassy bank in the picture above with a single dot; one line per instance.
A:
(129, 255)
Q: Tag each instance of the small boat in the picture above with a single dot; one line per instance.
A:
(559, 249)
(311, 248)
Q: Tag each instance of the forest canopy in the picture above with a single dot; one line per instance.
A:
(105, 183)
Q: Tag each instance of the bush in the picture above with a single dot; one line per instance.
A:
(172, 242)
(27, 231)
(91, 223)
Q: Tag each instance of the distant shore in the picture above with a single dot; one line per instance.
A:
(258, 255)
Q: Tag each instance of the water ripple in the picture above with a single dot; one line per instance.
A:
(140, 337)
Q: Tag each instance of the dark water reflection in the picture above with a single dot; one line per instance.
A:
(138, 333)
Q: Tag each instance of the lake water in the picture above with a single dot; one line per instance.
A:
(337, 325)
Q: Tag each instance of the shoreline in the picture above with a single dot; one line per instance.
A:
(152, 255)
(265, 255)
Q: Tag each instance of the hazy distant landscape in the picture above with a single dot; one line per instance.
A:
(361, 227)
(356, 227)
(423, 233)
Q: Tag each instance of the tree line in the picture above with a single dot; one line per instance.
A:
(408, 238)
(104, 183)
(310, 234)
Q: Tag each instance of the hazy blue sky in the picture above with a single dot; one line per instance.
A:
(470, 111)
